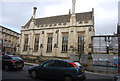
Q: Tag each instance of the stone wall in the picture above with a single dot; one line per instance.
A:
(38, 59)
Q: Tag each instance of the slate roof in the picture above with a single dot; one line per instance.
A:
(62, 18)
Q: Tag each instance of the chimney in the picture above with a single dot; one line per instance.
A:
(69, 11)
(73, 16)
(73, 7)
(34, 12)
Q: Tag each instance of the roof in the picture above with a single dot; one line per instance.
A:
(8, 29)
(85, 16)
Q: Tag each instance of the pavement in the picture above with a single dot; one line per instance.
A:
(33, 64)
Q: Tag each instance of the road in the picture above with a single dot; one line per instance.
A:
(23, 75)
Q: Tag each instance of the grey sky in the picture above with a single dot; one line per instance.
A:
(14, 14)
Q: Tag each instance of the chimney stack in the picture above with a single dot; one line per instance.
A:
(73, 16)
(69, 11)
(34, 11)
(73, 7)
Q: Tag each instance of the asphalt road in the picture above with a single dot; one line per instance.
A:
(22, 75)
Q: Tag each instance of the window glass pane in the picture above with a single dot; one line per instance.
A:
(6, 57)
(25, 43)
(80, 43)
(49, 42)
(59, 64)
(48, 64)
(36, 43)
(64, 42)
(16, 58)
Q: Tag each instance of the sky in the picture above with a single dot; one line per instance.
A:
(16, 13)
(119, 12)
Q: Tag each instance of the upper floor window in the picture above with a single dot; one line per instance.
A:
(49, 42)
(64, 42)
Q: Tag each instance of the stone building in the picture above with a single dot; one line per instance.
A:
(57, 36)
(10, 40)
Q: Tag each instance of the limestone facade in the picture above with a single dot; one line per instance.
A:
(57, 36)
(10, 40)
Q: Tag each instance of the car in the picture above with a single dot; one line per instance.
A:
(57, 69)
(116, 78)
(10, 62)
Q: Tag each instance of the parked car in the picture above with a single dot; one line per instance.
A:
(12, 62)
(117, 78)
(58, 69)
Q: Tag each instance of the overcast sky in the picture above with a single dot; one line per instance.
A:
(16, 13)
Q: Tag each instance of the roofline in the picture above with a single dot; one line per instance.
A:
(64, 15)
(52, 16)
(9, 29)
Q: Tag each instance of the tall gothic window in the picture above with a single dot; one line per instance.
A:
(80, 43)
(49, 43)
(65, 42)
(25, 43)
(36, 43)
